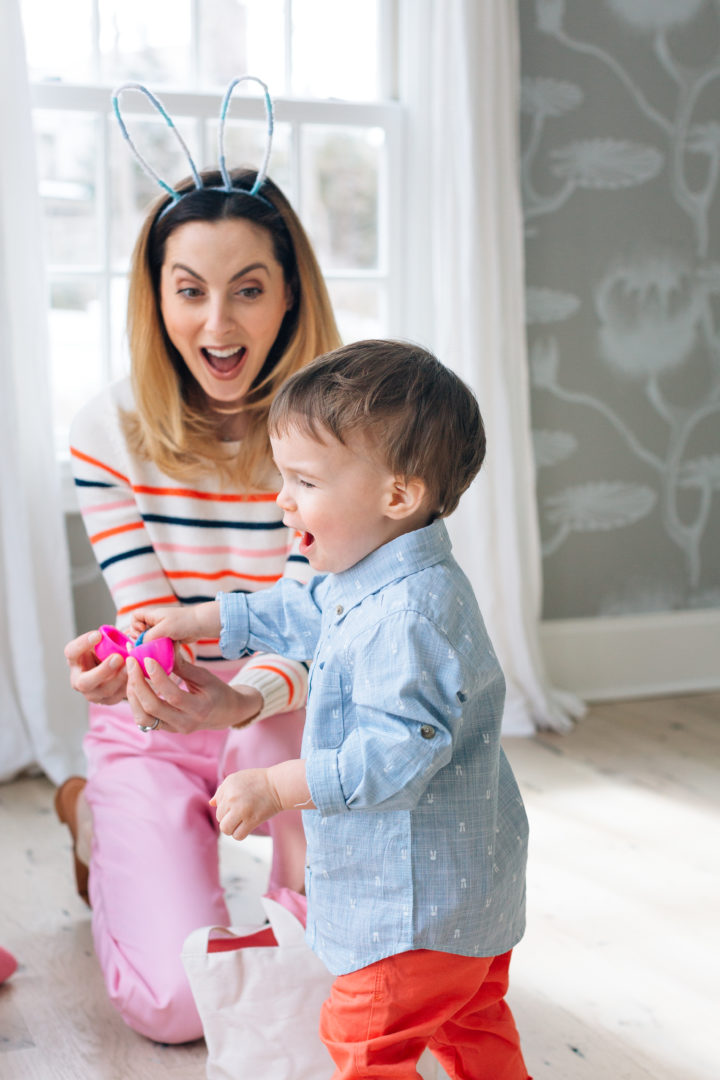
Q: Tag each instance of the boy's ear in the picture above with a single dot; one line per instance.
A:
(405, 497)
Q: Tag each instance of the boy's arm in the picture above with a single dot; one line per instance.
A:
(285, 619)
(181, 624)
(408, 706)
(246, 799)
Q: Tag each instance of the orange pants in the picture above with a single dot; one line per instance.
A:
(378, 1020)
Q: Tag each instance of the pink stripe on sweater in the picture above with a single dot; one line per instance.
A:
(100, 508)
(140, 579)
(245, 553)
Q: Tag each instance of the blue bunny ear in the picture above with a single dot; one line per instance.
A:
(145, 166)
(262, 171)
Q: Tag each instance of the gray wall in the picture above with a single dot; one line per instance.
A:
(92, 602)
(620, 172)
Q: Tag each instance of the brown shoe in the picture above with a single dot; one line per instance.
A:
(66, 798)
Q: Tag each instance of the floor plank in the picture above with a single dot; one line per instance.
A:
(614, 977)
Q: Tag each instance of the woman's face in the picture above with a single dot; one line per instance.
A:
(223, 297)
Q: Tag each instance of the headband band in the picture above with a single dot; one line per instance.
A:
(227, 185)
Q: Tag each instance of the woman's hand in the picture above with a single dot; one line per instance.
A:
(205, 703)
(102, 683)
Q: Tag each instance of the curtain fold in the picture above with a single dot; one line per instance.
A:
(459, 79)
(41, 719)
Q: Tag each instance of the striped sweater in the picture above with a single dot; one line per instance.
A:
(159, 541)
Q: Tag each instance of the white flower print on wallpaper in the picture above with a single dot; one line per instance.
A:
(620, 166)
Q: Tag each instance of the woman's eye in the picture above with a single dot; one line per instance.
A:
(189, 291)
(250, 293)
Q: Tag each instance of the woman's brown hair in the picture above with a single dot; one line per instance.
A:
(171, 424)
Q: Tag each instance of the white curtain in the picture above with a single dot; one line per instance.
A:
(459, 77)
(41, 718)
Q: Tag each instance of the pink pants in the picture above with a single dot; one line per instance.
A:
(154, 873)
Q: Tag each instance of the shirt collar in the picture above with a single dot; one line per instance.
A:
(397, 559)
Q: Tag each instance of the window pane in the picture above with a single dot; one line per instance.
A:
(119, 353)
(132, 191)
(145, 42)
(242, 37)
(67, 160)
(335, 49)
(58, 39)
(245, 146)
(359, 309)
(75, 348)
(340, 181)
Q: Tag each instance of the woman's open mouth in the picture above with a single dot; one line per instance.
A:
(225, 363)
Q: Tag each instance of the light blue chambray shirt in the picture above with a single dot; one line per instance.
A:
(419, 839)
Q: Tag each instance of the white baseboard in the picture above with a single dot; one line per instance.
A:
(608, 659)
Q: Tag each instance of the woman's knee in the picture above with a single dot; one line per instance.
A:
(166, 1014)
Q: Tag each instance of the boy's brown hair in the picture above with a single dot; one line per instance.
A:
(412, 413)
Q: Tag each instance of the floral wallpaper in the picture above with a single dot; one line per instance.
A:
(620, 118)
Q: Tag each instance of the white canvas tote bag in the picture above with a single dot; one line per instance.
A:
(259, 991)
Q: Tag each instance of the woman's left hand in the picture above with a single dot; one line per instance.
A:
(205, 703)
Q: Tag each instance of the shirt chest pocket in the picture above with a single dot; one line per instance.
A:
(327, 709)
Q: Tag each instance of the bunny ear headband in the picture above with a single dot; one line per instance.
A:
(226, 186)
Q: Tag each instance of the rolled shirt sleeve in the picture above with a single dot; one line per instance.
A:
(398, 719)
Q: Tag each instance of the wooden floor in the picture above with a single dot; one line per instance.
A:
(616, 979)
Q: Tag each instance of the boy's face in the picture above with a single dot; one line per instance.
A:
(336, 496)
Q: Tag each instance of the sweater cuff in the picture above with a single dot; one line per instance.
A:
(283, 684)
(274, 692)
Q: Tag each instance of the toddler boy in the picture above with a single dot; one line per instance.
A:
(416, 831)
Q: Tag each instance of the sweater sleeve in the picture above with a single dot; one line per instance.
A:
(114, 524)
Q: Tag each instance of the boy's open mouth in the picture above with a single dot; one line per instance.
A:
(306, 543)
(225, 361)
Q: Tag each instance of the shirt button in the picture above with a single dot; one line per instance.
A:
(427, 731)
(339, 609)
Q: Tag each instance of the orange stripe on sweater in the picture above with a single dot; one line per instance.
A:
(276, 671)
(187, 493)
(101, 464)
(175, 574)
(172, 599)
(116, 531)
(190, 493)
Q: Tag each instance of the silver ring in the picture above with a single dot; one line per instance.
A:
(150, 727)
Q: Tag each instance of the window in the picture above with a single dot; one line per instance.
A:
(337, 141)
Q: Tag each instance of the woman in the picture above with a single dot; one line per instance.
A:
(177, 490)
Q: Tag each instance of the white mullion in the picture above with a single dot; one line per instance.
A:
(204, 160)
(388, 50)
(395, 218)
(73, 97)
(104, 180)
(195, 44)
(95, 17)
(287, 14)
(296, 135)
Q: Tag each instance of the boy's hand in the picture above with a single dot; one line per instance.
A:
(243, 801)
(179, 623)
